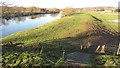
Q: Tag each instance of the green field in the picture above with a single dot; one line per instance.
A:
(49, 44)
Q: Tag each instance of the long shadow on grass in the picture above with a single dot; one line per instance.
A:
(85, 42)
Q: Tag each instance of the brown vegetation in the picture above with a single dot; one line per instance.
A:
(68, 11)
(15, 11)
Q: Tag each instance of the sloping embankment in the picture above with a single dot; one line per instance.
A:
(80, 32)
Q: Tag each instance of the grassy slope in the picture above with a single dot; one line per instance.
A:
(57, 29)
(57, 34)
(62, 28)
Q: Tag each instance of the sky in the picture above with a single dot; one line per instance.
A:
(63, 3)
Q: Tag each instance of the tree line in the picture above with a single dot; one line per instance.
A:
(14, 11)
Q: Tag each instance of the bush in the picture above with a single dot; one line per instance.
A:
(68, 12)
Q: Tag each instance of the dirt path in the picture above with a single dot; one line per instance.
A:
(78, 58)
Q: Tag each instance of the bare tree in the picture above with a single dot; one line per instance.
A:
(5, 6)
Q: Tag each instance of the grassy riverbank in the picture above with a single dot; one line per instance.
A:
(49, 44)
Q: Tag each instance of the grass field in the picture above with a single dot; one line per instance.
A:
(49, 44)
(103, 16)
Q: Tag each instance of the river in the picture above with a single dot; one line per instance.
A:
(17, 24)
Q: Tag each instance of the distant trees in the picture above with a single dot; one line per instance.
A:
(53, 10)
(68, 12)
(100, 9)
(15, 9)
(11, 11)
(4, 6)
(117, 10)
(8, 10)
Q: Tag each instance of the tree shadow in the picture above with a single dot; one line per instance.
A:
(85, 42)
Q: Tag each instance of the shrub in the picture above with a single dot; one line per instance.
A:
(68, 12)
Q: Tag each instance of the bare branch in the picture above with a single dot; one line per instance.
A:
(4, 3)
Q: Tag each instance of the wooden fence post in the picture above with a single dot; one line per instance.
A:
(118, 50)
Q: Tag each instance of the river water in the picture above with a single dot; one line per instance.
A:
(18, 24)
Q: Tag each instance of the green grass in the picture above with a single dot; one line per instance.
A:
(111, 25)
(106, 60)
(65, 34)
(55, 30)
(103, 16)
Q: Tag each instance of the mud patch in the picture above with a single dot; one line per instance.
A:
(78, 58)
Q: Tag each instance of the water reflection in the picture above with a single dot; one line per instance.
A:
(37, 16)
(4, 22)
(19, 19)
(27, 22)
(54, 15)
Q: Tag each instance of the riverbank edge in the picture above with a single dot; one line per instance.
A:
(24, 14)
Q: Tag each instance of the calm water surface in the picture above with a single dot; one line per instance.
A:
(18, 24)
